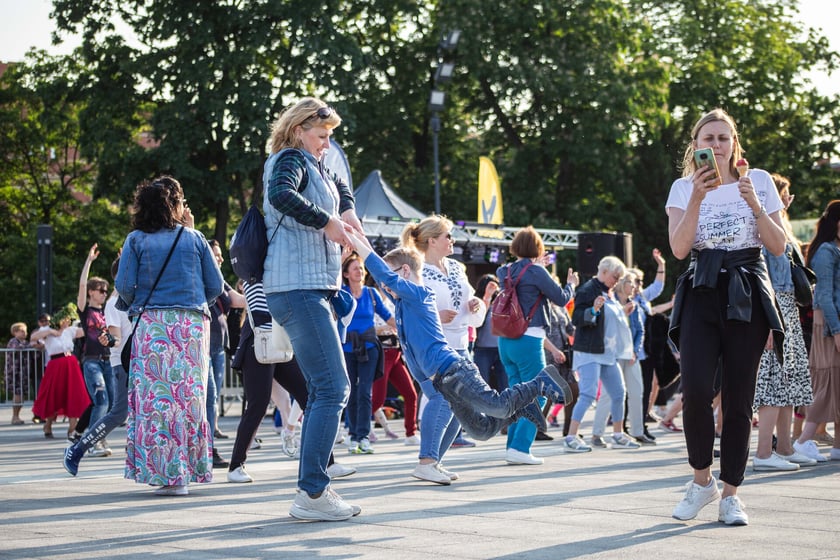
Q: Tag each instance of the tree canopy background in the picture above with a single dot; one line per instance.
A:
(585, 107)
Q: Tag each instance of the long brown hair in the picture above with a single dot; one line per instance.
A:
(826, 229)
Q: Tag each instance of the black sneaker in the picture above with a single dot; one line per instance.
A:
(218, 461)
(542, 436)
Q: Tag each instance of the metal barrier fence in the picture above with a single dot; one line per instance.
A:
(23, 370)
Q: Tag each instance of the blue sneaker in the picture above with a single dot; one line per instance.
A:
(552, 385)
(461, 441)
(533, 413)
(72, 458)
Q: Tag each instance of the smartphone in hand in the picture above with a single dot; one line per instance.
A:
(706, 157)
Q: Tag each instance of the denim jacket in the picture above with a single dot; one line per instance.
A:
(779, 269)
(826, 265)
(191, 280)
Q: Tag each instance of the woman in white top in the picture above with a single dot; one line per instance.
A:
(62, 390)
(458, 309)
(724, 305)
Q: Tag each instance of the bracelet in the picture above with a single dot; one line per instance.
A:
(660, 272)
(761, 213)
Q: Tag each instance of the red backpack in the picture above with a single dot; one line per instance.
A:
(506, 317)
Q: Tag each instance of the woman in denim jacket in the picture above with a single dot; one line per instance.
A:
(168, 439)
(824, 259)
(780, 388)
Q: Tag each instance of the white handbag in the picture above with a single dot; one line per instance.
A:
(271, 345)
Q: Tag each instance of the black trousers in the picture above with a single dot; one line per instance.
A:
(707, 339)
(256, 382)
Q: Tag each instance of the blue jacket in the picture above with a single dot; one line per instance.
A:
(826, 265)
(779, 269)
(424, 345)
(192, 279)
(534, 282)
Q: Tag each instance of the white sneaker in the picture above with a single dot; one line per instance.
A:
(809, 449)
(696, 498)
(575, 444)
(327, 507)
(773, 463)
(799, 459)
(352, 446)
(450, 474)
(337, 471)
(365, 447)
(412, 440)
(731, 511)
(514, 457)
(172, 491)
(239, 475)
(100, 450)
(623, 441)
(288, 442)
(430, 473)
(256, 444)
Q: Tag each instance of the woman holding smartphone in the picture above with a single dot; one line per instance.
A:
(724, 305)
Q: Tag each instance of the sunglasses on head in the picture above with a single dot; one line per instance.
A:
(322, 113)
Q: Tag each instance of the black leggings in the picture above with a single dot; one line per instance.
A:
(706, 336)
(256, 382)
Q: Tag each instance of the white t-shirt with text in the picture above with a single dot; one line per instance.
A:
(726, 221)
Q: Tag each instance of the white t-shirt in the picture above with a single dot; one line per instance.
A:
(726, 221)
(116, 318)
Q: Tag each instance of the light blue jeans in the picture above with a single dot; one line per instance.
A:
(632, 375)
(613, 383)
(308, 319)
(523, 359)
(215, 378)
(99, 380)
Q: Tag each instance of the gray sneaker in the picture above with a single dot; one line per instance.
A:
(327, 507)
(533, 413)
(623, 441)
(598, 441)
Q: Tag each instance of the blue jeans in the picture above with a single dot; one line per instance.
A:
(99, 380)
(361, 390)
(438, 426)
(488, 361)
(523, 359)
(613, 383)
(215, 378)
(482, 411)
(308, 318)
(97, 431)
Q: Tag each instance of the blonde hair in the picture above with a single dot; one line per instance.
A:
(18, 327)
(304, 113)
(628, 278)
(418, 235)
(688, 164)
(405, 255)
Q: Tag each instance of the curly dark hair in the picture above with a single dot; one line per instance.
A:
(156, 204)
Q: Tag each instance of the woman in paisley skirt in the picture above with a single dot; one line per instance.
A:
(781, 388)
(168, 445)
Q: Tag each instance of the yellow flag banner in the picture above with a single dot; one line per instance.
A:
(489, 198)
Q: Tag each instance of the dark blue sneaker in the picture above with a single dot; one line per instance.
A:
(533, 413)
(552, 385)
(72, 458)
(461, 441)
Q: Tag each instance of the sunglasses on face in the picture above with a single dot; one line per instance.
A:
(101, 290)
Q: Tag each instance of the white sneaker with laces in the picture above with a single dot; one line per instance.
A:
(337, 471)
(412, 440)
(365, 447)
(696, 498)
(450, 474)
(809, 449)
(623, 441)
(287, 442)
(514, 457)
(327, 507)
(430, 473)
(731, 511)
(239, 475)
(773, 463)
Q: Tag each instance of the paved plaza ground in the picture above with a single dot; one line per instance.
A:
(604, 504)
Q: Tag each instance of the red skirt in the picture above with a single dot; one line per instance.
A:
(62, 391)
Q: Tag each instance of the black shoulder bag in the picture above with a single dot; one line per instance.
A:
(803, 280)
(125, 352)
